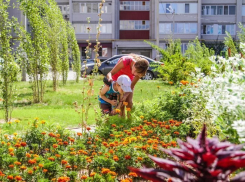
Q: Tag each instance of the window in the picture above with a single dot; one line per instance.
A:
(104, 52)
(165, 28)
(184, 47)
(83, 28)
(134, 25)
(88, 54)
(203, 10)
(187, 6)
(91, 7)
(213, 10)
(243, 10)
(65, 9)
(178, 8)
(178, 28)
(218, 10)
(218, 29)
(76, 8)
(225, 10)
(207, 10)
(134, 5)
(210, 29)
(232, 10)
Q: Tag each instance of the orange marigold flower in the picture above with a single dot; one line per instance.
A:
(127, 157)
(115, 158)
(51, 159)
(118, 110)
(68, 167)
(176, 132)
(127, 180)
(18, 178)
(73, 153)
(23, 144)
(92, 174)
(28, 155)
(66, 143)
(79, 134)
(125, 103)
(88, 128)
(128, 109)
(11, 149)
(55, 145)
(57, 155)
(17, 145)
(140, 158)
(171, 83)
(64, 162)
(40, 165)
(113, 125)
(111, 151)
(45, 170)
(23, 167)
(11, 166)
(170, 180)
(84, 177)
(43, 133)
(30, 172)
(10, 177)
(17, 163)
(112, 173)
(89, 142)
(11, 153)
(105, 171)
(133, 174)
(32, 161)
(63, 179)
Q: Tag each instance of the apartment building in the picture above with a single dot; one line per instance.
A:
(127, 23)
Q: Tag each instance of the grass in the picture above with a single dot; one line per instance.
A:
(57, 107)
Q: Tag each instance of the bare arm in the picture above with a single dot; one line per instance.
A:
(134, 81)
(116, 68)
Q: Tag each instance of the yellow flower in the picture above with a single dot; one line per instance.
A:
(15, 134)
(141, 117)
(17, 121)
(43, 122)
(36, 118)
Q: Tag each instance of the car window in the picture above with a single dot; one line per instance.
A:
(114, 61)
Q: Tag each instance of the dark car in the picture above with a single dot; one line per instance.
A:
(109, 64)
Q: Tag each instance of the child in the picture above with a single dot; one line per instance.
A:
(109, 94)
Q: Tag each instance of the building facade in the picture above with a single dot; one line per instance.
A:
(127, 23)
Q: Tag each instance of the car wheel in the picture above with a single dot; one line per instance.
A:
(148, 76)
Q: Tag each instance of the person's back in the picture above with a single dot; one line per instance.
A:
(108, 98)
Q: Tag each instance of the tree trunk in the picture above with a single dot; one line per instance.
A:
(229, 52)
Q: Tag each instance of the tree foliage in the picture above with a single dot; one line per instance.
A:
(177, 66)
(8, 66)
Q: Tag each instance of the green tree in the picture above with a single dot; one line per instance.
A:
(74, 49)
(8, 67)
(35, 45)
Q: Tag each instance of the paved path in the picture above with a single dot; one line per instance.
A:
(71, 76)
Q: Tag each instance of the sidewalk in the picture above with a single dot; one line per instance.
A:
(71, 76)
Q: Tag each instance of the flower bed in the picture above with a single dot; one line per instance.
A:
(47, 153)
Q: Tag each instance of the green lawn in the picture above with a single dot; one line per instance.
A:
(58, 106)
